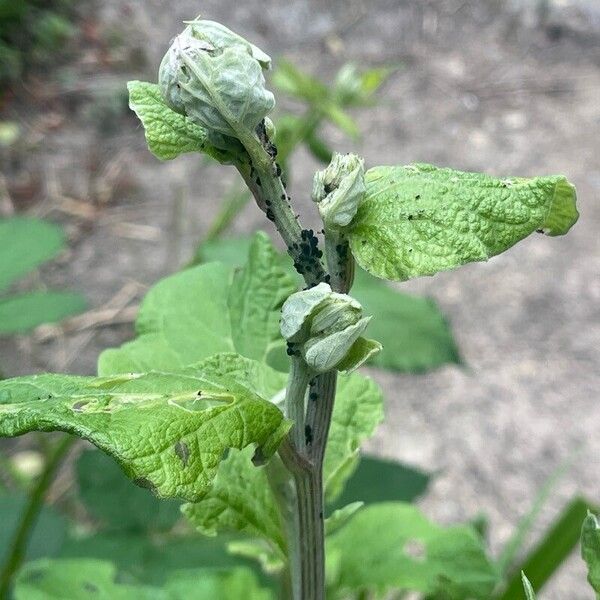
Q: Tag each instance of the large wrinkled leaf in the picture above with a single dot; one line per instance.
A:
(590, 550)
(419, 219)
(392, 546)
(47, 535)
(111, 498)
(168, 133)
(81, 579)
(240, 499)
(26, 311)
(168, 431)
(205, 310)
(25, 244)
(413, 331)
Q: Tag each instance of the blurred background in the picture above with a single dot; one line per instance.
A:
(505, 87)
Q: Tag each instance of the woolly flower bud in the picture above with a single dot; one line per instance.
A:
(325, 327)
(339, 188)
(215, 77)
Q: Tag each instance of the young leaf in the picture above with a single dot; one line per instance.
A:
(392, 547)
(529, 591)
(294, 82)
(420, 219)
(25, 311)
(173, 333)
(168, 133)
(26, 244)
(169, 431)
(590, 550)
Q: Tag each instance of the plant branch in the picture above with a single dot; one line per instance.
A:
(307, 550)
(263, 177)
(18, 544)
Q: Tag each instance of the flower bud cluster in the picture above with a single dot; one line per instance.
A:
(215, 77)
(324, 328)
(339, 189)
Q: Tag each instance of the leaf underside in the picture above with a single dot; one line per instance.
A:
(168, 134)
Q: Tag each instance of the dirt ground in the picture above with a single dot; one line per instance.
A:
(480, 85)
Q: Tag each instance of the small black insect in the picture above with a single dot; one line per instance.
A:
(308, 435)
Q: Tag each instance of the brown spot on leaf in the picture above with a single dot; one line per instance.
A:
(78, 406)
(145, 483)
(183, 452)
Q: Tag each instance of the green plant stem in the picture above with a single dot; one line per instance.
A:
(307, 548)
(295, 395)
(339, 260)
(18, 544)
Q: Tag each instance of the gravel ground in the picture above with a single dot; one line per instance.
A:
(480, 86)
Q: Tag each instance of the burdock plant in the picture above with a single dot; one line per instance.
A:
(197, 406)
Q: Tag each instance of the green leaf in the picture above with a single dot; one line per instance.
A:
(379, 480)
(392, 546)
(414, 333)
(205, 310)
(77, 579)
(231, 251)
(255, 299)
(420, 219)
(319, 148)
(529, 592)
(168, 133)
(231, 584)
(81, 579)
(357, 412)
(240, 499)
(294, 82)
(111, 498)
(141, 557)
(26, 244)
(341, 119)
(340, 516)
(590, 550)
(26, 311)
(168, 431)
(48, 533)
(552, 550)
